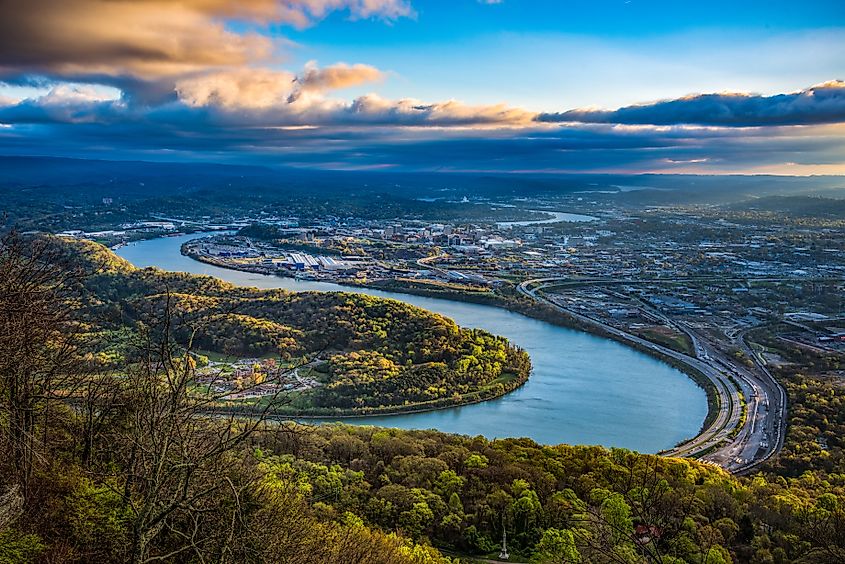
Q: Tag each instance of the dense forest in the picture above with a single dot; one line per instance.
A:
(559, 503)
(379, 354)
(815, 438)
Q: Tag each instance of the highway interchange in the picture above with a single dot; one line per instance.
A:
(749, 423)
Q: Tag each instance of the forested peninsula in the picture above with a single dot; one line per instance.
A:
(330, 353)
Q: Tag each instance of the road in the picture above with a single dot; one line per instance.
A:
(773, 423)
(734, 443)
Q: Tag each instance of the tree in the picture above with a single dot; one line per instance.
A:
(39, 348)
(824, 527)
(558, 546)
(639, 513)
(176, 469)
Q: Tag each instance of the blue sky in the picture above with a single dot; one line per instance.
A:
(366, 83)
(559, 54)
(548, 70)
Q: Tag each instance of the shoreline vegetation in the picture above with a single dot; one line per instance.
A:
(515, 303)
(362, 413)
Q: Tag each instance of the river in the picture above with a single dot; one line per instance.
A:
(555, 217)
(584, 389)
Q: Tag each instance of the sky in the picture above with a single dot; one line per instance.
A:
(539, 86)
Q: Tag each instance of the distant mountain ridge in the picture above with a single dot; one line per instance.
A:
(148, 179)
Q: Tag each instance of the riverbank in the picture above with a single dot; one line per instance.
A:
(496, 389)
(511, 300)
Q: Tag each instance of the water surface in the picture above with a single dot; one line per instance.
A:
(556, 217)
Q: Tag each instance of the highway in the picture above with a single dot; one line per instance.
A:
(773, 418)
(735, 443)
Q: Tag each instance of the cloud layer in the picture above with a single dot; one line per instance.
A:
(372, 132)
(823, 103)
(207, 79)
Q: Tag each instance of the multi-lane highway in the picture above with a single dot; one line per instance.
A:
(771, 420)
(749, 424)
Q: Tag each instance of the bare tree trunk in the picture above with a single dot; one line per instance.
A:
(177, 459)
(37, 346)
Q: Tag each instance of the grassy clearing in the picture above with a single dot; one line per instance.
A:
(668, 338)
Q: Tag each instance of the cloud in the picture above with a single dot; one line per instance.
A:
(372, 132)
(146, 44)
(250, 115)
(410, 112)
(262, 88)
(203, 78)
(340, 75)
(262, 98)
(63, 107)
(236, 89)
(74, 94)
(823, 103)
(269, 98)
(371, 110)
(8, 101)
(193, 134)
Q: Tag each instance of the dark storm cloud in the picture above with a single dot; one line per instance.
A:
(575, 149)
(824, 103)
